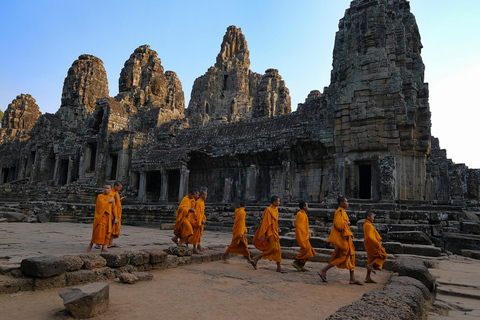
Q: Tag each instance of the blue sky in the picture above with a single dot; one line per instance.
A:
(41, 39)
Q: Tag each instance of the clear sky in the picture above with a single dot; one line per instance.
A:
(39, 41)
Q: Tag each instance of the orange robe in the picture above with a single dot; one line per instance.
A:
(196, 221)
(344, 254)
(239, 244)
(183, 228)
(269, 228)
(375, 252)
(102, 222)
(117, 213)
(302, 233)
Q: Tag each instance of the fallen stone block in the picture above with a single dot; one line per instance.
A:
(455, 242)
(172, 261)
(74, 263)
(138, 258)
(474, 254)
(393, 247)
(143, 276)
(43, 267)
(87, 301)
(288, 242)
(14, 216)
(470, 227)
(410, 291)
(127, 278)
(416, 269)
(92, 261)
(179, 251)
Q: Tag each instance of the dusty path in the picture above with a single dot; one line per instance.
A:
(209, 291)
(212, 290)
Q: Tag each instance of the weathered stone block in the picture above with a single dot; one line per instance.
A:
(393, 247)
(416, 237)
(172, 261)
(138, 258)
(470, 227)
(288, 242)
(422, 250)
(87, 301)
(156, 256)
(14, 216)
(43, 267)
(127, 278)
(92, 261)
(74, 263)
(179, 251)
(11, 285)
(416, 269)
(115, 260)
(79, 277)
(51, 282)
(455, 242)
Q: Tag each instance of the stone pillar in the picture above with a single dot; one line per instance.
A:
(163, 186)
(251, 175)
(123, 163)
(142, 187)
(227, 190)
(183, 189)
(55, 170)
(286, 170)
(81, 164)
(69, 170)
(388, 190)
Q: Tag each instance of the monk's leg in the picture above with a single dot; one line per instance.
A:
(89, 249)
(324, 270)
(175, 239)
(200, 247)
(224, 257)
(256, 258)
(353, 280)
(297, 265)
(104, 248)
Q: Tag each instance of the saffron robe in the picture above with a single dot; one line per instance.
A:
(239, 244)
(341, 236)
(372, 241)
(269, 228)
(117, 213)
(102, 222)
(302, 233)
(196, 221)
(183, 228)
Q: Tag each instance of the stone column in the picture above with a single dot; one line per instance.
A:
(163, 186)
(69, 170)
(123, 163)
(251, 175)
(142, 187)
(55, 170)
(227, 190)
(81, 164)
(287, 175)
(183, 189)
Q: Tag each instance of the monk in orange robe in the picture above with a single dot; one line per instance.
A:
(239, 244)
(375, 252)
(267, 239)
(197, 220)
(117, 213)
(341, 236)
(302, 233)
(183, 229)
(102, 222)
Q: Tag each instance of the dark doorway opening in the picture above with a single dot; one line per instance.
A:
(62, 172)
(365, 181)
(154, 180)
(112, 165)
(173, 185)
(93, 157)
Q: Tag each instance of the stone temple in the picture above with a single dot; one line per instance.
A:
(366, 136)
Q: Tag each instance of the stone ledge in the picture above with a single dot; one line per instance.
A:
(138, 261)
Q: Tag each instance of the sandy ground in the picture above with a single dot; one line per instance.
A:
(211, 290)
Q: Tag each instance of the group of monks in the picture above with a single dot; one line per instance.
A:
(190, 222)
(267, 240)
(108, 218)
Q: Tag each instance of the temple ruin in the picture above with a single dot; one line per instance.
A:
(366, 136)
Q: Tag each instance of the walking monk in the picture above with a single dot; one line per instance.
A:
(183, 229)
(344, 254)
(102, 222)
(117, 213)
(302, 233)
(375, 252)
(239, 244)
(266, 238)
(197, 220)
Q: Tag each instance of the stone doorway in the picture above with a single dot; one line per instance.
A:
(112, 166)
(365, 181)
(173, 185)
(154, 183)
(62, 173)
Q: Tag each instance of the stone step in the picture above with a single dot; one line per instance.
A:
(472, 292)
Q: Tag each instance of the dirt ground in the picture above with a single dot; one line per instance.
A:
(211, 290)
